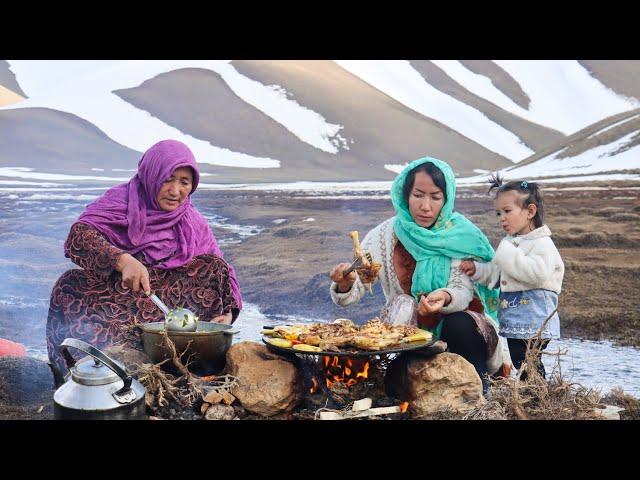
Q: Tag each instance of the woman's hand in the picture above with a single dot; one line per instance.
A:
(344, 283)
(468, 267)
(134, 274)
(434, 302)
(226, 318)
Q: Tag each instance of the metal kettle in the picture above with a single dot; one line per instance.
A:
(98, 389)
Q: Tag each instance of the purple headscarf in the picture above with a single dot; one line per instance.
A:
(130, 218)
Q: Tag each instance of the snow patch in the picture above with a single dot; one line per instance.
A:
(613, 126)
(399, 80)
(54, 196)
(23, 172)
(303, 187)
(241, 231)
(564, 96)
(41, 184)
(395, 168)
(481, 86)
(85, 88)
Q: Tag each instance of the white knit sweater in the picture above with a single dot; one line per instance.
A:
(380, 242)
(524, 262)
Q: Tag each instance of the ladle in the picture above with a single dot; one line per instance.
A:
(179, 320)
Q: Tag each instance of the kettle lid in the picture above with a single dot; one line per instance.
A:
(89, 371)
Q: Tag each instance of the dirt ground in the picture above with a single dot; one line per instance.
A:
(285, 268)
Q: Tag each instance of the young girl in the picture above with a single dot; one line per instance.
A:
(527, 268)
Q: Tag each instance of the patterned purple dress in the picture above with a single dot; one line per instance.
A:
(90, 303)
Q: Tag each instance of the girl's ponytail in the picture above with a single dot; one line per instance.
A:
(495, 181)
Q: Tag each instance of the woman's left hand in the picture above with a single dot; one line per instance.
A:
(223, 318)
(434, 302)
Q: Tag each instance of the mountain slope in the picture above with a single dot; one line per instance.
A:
(619, 75)
(281, 121)
(8, 79)
(610, 145)
(52, 141)
(535, 136)
(377, 129)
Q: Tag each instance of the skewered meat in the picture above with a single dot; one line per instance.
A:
(368, 273)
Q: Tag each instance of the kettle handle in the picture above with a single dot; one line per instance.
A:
(98, 356)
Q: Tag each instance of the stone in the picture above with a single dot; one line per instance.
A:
(239, 410)
(220, 412)
(268, 384)
(444, 382)
(215, 396)
(608, 412)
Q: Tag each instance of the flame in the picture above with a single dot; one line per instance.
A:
(404, 406)
(349, 374)
(315, 385)
(365, 372)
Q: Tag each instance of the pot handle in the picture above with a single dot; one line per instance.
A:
(125, 394)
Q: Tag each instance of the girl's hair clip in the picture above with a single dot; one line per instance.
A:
(524, 185)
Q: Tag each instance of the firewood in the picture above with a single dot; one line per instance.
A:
(219, 396)
(336, 415)
(364, 404)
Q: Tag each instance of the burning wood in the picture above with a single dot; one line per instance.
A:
(349, 373)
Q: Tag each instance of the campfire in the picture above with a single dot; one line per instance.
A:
(342, 379)
(349, 384)
(348, 371)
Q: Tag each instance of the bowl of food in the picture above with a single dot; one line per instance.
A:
(205, 348)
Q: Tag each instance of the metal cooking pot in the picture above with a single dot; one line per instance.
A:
(207, 350)
(97, 389)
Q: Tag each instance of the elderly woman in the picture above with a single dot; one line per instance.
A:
(140, 237)
(420, 250)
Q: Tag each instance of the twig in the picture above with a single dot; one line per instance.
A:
(194, 384)
(533, 397)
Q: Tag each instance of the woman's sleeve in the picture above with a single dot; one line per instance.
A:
(87, 248)
(229, 301)
(357, 289)
(352, 296)
(459, 287)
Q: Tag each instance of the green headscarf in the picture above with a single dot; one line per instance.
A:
(452, 236)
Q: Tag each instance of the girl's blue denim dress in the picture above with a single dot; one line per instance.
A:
(521, 314)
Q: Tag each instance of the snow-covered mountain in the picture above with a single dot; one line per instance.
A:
(607, 149)
(280, 121)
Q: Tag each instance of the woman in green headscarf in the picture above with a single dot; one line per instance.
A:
(420, 250)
